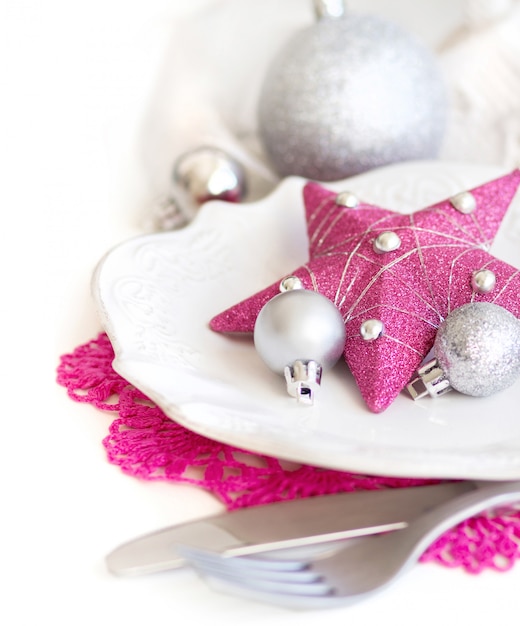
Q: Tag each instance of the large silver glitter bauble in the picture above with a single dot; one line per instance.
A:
(299, 325)
(349, 94)
(478, 348)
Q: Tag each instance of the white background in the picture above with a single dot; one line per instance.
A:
(78, 81)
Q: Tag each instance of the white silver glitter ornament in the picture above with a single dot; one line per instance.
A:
(348, 94)
(298, 334)
(477, 352)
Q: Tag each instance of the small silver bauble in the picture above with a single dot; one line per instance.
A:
(477, 352)
(464, 202)
(202, 174)
(387, 242)
(208, 173)
(483, 281)
(348, 94)
(299, 333)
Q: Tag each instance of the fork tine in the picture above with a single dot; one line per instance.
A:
(274, 582)
(272, 585)
(273, 597)
(237, 569)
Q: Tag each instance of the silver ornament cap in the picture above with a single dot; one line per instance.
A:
(298, 334)
(430, 380)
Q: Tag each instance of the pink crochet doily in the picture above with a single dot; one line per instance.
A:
(146, 444)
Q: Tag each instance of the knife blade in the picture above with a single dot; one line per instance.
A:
(281, 525)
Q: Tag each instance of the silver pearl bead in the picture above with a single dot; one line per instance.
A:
(464, 202)
(208, 173)
(297, 334)
(478, 348)
(387, 242)
(483, 281)
(289, 283)
(347, 199)
(372, 329)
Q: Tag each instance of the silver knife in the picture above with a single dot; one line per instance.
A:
(283, 525)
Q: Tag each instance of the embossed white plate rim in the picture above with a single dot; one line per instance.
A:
(156, 293)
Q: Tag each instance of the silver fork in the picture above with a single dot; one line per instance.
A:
(353, 572)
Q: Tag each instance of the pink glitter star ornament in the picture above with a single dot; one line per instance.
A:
(395, 277)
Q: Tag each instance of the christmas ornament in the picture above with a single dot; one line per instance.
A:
(392, 302)
(208, 173)
(299, 333)
(477, 352)
(347, 94)
(200, 175)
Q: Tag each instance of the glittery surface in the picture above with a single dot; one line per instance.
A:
(478, 347)
(348, 95)
(411, 290)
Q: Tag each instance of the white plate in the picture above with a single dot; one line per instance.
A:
(157, 293)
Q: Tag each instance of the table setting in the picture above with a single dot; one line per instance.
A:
(176, 453)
